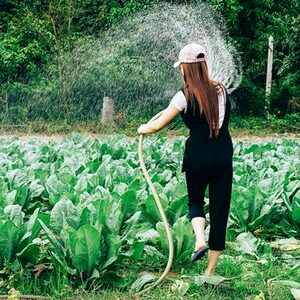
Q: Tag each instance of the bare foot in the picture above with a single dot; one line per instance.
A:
(209, 273)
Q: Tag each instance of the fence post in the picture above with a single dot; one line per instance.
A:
(269, 72)
(108, 111)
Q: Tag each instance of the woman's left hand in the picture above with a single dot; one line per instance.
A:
(142, 129)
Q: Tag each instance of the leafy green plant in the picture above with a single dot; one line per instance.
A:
(82, 205)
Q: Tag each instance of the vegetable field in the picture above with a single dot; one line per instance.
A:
(78, 212)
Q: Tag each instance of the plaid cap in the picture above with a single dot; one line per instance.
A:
(189, 53)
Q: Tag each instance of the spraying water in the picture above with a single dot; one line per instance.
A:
(134, 59)
(132, 62)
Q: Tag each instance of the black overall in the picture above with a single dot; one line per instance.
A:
(208, 162)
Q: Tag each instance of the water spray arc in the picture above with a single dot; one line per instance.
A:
(161, 211)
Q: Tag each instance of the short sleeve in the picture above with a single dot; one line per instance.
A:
(222, 107)
(179, 101)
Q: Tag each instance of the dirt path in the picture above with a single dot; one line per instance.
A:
(247, 138)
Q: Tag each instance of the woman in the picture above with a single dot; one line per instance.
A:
(203, 103)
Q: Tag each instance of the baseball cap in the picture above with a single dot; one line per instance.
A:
(189, 53)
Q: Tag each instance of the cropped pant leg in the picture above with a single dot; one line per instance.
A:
(220, 188)
(196, 181)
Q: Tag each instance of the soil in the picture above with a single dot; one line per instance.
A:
(246, 138)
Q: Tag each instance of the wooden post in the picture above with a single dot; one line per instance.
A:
(269, 66)
(269, 76)
(108, 111)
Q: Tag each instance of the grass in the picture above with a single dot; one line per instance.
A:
(247, 279)
(239, 126)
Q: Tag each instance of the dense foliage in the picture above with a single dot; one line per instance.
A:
(35, 35)
(82, 205)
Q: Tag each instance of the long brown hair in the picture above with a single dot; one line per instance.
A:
(199, 86)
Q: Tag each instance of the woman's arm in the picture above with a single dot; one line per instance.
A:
(169, 113)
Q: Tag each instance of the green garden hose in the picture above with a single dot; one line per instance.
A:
(161, 211)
